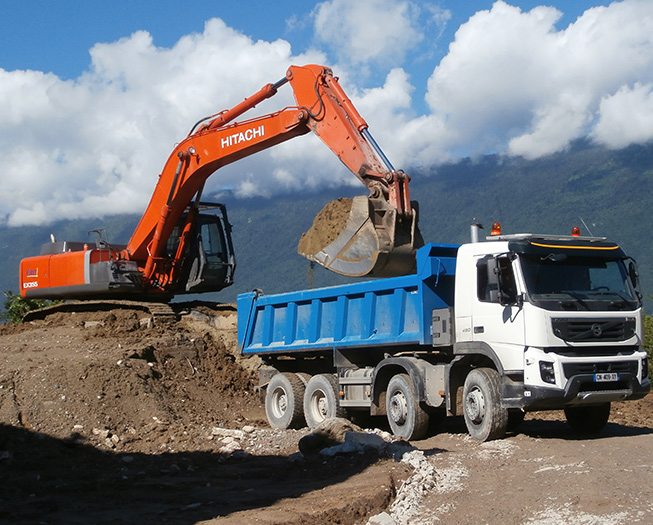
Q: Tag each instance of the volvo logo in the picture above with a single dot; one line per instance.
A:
(597, 330)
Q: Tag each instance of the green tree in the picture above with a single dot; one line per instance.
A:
(16, 306)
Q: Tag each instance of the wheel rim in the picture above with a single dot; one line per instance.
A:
(279, 402)
(319, 406)
(475, 405)
(398, 408)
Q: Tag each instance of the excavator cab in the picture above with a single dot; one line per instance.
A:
(209, 264)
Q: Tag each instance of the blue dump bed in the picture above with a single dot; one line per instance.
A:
(392, 311)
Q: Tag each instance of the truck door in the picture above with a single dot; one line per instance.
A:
(497, 313)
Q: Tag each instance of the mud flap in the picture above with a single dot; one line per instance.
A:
(373, 242)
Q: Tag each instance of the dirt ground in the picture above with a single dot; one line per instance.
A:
(113, 417)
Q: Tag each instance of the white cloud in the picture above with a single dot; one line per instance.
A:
(370, 32)
(512, 82)
(95, 146)
(387, 111)
(625, 117)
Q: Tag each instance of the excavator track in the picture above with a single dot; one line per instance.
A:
(160, 312)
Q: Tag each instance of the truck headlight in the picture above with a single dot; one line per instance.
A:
(547, 373)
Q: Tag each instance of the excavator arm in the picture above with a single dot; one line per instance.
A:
(337, 122)
(182, 180)
(379, 236)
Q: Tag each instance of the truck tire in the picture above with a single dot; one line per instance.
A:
(406, 416)
(484, 417)
(321, 400)
(588, 419)
(283, 401)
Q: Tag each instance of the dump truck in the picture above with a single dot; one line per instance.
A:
(489, 330)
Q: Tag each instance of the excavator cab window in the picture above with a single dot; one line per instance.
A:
(213, 242)
(211, 265)
(211, 237)
(173, 240)
(209, 261)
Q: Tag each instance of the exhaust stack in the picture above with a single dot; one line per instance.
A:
(475, 229)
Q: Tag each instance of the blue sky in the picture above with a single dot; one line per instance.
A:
(94, 95)
(56, 36)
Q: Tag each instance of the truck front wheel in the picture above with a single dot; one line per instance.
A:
(484, 417)
(406, 416)
(283, 401)
(588, 419)
(321, 400)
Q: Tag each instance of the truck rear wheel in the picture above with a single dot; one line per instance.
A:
(588, 419)
(484, 417)
(283, 401)
(321, 400)
(406, 416)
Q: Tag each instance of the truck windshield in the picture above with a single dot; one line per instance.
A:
(560, 281)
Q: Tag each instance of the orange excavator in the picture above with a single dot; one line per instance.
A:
(179, 248)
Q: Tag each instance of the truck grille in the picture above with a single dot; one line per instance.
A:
(593, 330)
(574, 369)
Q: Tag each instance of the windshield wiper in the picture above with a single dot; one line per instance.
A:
(576, 297)
(622, 300)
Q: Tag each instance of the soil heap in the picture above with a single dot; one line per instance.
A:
(327, 225)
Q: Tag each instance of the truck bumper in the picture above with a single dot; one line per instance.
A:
(582, 390)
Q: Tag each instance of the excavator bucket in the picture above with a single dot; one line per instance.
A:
(362, 237)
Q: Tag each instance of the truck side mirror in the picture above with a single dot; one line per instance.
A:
(507, 299)
(493, 271)
(493, 286)
(633, 274)
(496, 281)
(506, 286)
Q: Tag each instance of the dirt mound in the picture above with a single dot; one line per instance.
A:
(327, 225)
(117, 375)
(111, 416)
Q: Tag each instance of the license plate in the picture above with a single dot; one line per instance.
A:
(607, 376)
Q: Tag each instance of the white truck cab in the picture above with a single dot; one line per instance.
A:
(560, 320)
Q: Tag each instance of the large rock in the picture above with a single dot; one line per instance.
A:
(329, 433)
